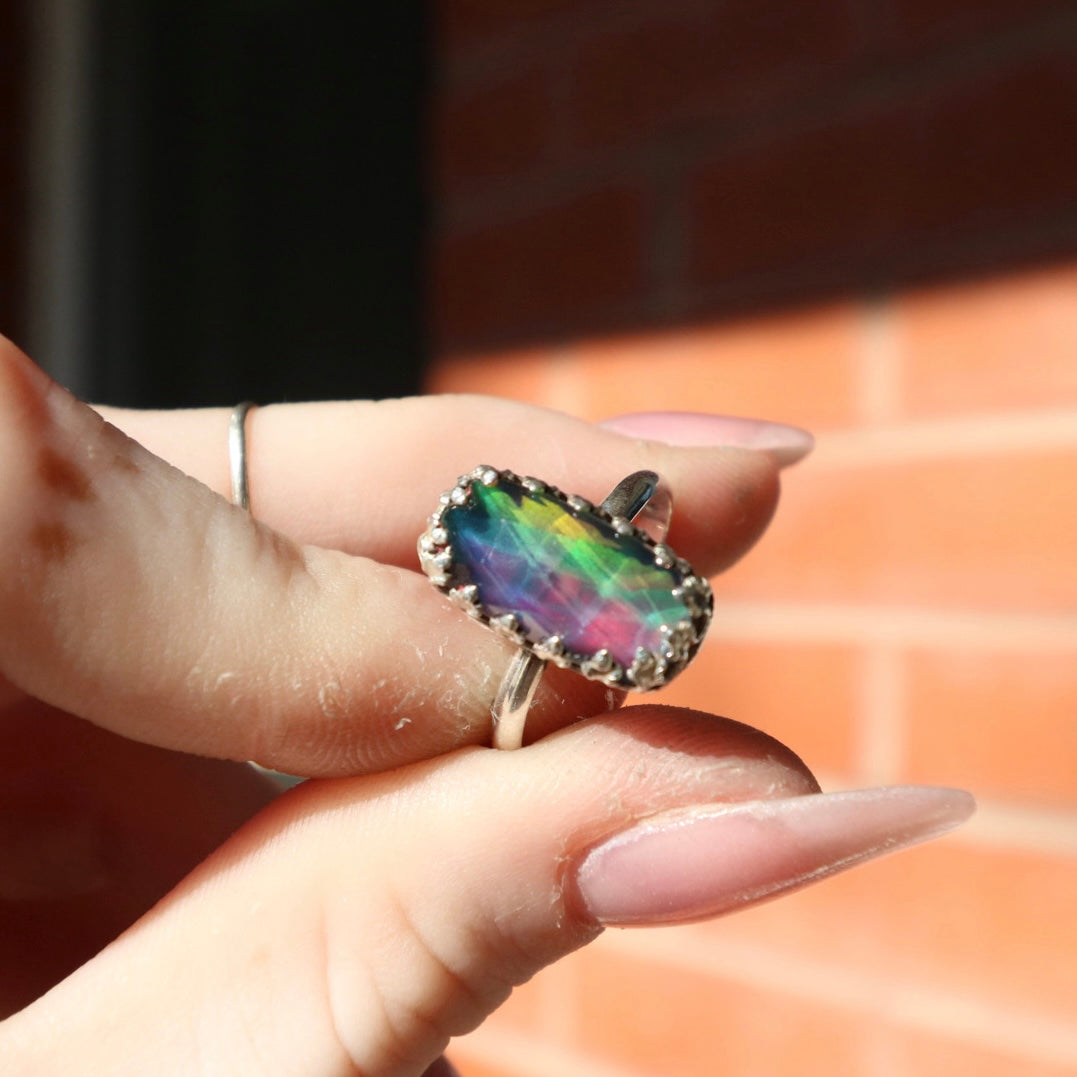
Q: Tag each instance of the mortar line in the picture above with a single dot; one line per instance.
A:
(810, 623)
(880, 734)
(990, 434)
(898, 1001)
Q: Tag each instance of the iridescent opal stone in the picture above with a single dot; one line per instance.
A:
(564, 572)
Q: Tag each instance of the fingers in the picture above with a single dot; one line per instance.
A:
(357, 924)
(139, 600)
(134, 597)
(362, 476)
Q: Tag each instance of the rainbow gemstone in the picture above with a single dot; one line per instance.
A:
(563, 578)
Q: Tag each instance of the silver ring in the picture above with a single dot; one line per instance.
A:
(594, 589)
(237, 454)
(237, 468)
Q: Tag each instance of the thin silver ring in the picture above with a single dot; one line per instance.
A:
(237, 454)
(237, 468)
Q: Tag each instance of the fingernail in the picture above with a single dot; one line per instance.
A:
(701, 862)
(785, 444)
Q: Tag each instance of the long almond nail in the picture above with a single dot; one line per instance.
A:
(700, 862)
(785, 444)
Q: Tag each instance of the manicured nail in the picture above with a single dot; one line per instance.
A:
(785, 444)
(699, 862)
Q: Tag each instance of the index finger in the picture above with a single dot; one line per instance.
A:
(136, 598)
(360, 476)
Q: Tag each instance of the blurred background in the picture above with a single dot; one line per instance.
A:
(857, 216)
(214, 202)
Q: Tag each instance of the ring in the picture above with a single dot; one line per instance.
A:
(237, 454)
(237, 468)
(568, 582)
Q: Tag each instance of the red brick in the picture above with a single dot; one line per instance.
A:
(995, 926)
(986, 532)
(797, 367)
(991, 345)
(465, 22)
(998, 146)
(1002, 724)
(555, 267)
(910, 1052)
(528, 374)
(496, 131)
(819, 195)
(920, 23)
(492, 1053)
(805, 695)
(703, 62)
(988, 929)
(469, 1066)
(660, 1019)
(985, 929)
(883, 187)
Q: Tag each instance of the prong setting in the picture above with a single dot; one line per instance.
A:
(508, 624)
(551, 649)
(648, 667)
(664, 557)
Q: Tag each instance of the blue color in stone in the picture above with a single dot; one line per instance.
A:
(562, 573)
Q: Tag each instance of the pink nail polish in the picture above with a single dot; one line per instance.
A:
(703, 861)
(786, 444)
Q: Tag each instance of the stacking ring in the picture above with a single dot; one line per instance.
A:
(237, 468)
(568, 582)
(237, 454)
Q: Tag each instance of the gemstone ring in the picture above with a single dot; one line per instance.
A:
(568, 582)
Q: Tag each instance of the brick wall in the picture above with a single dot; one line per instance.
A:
(858, 217)
(610, 162)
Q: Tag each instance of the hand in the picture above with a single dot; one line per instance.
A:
(154, 637)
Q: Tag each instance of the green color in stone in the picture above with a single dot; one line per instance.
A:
(563, 573)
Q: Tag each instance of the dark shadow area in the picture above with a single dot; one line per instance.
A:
(257, 205)
(687, 162)
(14, 116)
(256, 199)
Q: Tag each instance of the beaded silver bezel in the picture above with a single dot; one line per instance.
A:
(648, 670)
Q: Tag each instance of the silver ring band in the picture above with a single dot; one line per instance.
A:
(237, 454)
(237, 468)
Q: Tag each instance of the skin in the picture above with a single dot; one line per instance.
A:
(163, 905)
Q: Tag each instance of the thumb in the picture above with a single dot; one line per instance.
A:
(357, 924)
